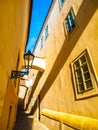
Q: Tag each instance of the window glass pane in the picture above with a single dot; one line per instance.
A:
(69, 22)
(80, 80)
(46, 31)
(68, 25)
(76, 64)
(82, 74)
(81, 87)
(78, 72)
(89, 84)
(73, 23)
(72, 19)
(87, 76)
(42, 42)
(62, 1)
(83, 59)
(85, 68)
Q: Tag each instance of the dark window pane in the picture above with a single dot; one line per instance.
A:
(81, 87)
(70, 22)
(89, 84)
(82, 59)
(62, 1)
(68, 25)
(73, 24)
(78, 72)
(72, 19)
(46, 31)
(85, 68)
(80, 80)
(42, 42)
(87, 76)
(76, 64)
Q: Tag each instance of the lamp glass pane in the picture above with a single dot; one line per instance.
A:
(28, 59)
(30, 63)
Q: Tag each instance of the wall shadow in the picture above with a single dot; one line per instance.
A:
(21, 101)
(89, 7)
(23, 121)
(34, 87)
(34, 108)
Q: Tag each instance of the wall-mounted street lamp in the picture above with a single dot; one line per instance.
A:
(28, 59)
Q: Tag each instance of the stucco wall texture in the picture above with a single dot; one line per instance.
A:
(14, 20)
(55, 87)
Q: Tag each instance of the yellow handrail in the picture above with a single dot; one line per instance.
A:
(78, 122)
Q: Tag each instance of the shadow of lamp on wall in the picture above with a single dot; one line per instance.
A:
(28, 60)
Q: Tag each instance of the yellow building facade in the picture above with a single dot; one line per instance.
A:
(68, 42)
(14, 22)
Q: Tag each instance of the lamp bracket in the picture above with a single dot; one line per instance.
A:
(18, 74)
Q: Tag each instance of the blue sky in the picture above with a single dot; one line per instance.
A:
(39, 12)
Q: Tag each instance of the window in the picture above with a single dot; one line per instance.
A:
(46, 32)
(61, 2)
(84, 76)
(70, 22)
(42, 42)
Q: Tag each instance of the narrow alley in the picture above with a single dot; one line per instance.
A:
(25, 121)
(49, 81)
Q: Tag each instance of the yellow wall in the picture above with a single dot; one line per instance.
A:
(11, 100)
(14, 20)
(55, 86)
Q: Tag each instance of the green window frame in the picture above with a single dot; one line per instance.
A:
(82, 74)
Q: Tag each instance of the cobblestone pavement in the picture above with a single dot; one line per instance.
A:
(25, 121)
